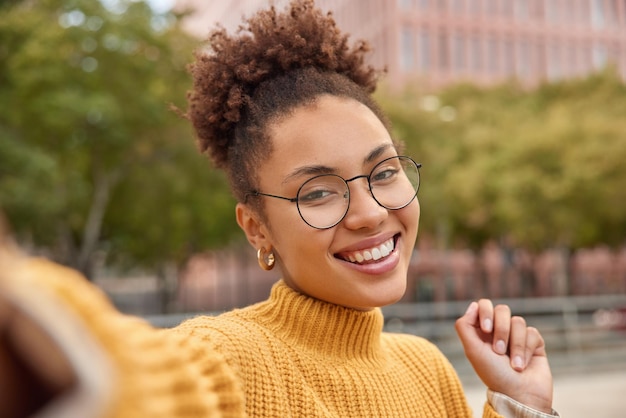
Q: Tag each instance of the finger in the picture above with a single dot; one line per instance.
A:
(466, 325)
(535, 345)
(502, 328)
(517, 343)
(470, 317)
(485, 315)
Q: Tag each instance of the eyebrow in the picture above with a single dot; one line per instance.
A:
(317, 169)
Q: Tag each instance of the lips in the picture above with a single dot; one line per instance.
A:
(370, 255)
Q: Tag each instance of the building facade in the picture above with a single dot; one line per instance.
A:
(438, 42)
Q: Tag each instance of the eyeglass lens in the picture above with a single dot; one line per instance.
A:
(323, 201)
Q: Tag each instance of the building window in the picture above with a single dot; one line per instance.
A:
(475, 54)
(474, 8)
(551, 11)
(458, 53)
(424, 50)
(575, 12)
(523, 60)
(458, 6)
(405, 4)
(598, 14)
(623, 63)
(423, 4)
(539, 55)
(491, 7)
(492, 55)
(509, 57)
(588, 59)
(407, 48)
(442, 47)
(568, 12)
(613, 13)
(554, 62)
(520, 10)
(573, 60)
(507, 8)
(599, 56)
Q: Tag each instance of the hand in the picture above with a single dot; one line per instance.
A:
(33, 369)
(508, 356)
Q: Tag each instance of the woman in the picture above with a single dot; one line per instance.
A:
(327, 198)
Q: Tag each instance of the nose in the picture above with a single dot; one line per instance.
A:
(364, 210)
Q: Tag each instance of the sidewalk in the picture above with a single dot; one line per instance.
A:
(590, 394)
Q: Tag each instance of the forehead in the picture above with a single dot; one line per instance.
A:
(334, 132)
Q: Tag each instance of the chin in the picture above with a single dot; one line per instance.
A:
(387, 296)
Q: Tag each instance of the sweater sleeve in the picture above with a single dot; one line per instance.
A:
(124, 366)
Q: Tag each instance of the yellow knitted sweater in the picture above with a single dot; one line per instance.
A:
(301, 357)
(294, 356)
(125, 367)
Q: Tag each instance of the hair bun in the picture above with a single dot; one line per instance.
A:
(266, 45)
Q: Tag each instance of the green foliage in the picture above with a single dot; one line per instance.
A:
(543, 166)
(93, 160)
(91, 156)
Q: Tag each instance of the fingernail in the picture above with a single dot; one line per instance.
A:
(487, 325)
(518, 363)
(500, 347)
(471, 308)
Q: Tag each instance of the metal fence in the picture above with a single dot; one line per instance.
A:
(582, 333)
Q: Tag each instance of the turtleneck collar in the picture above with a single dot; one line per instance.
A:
(336, 332)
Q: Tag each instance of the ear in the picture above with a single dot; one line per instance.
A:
(250, 222)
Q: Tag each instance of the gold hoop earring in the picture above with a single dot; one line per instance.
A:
(266, 260)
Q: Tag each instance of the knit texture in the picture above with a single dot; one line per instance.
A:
(156, 373)
(300, 357)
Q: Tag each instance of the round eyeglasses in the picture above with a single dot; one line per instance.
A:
(323, 201)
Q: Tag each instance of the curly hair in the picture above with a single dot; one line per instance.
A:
(274, 63)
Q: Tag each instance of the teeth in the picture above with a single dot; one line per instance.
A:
(375, 253)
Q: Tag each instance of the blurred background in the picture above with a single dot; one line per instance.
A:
(515, 108)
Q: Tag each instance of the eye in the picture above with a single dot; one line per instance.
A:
(384, 175)
(321, 190)
(313, 196)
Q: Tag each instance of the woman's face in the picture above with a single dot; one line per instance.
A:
(340, 136)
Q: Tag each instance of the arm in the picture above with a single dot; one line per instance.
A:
(66, 351)
(508, 356)
(34, 370)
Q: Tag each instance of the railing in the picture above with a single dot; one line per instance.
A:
(581, 333)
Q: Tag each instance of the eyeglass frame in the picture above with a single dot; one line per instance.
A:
(346, 181)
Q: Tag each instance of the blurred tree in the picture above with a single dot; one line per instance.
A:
(543, 167)
(91, 156)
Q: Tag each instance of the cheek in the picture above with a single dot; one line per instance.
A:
(299, 245)
(410, 217)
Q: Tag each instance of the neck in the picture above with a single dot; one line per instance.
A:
(317, 326)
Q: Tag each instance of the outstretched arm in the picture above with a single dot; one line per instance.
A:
(34, 370)
(508, 356)
(66, 351)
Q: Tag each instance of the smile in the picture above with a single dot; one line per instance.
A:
(370, 255)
